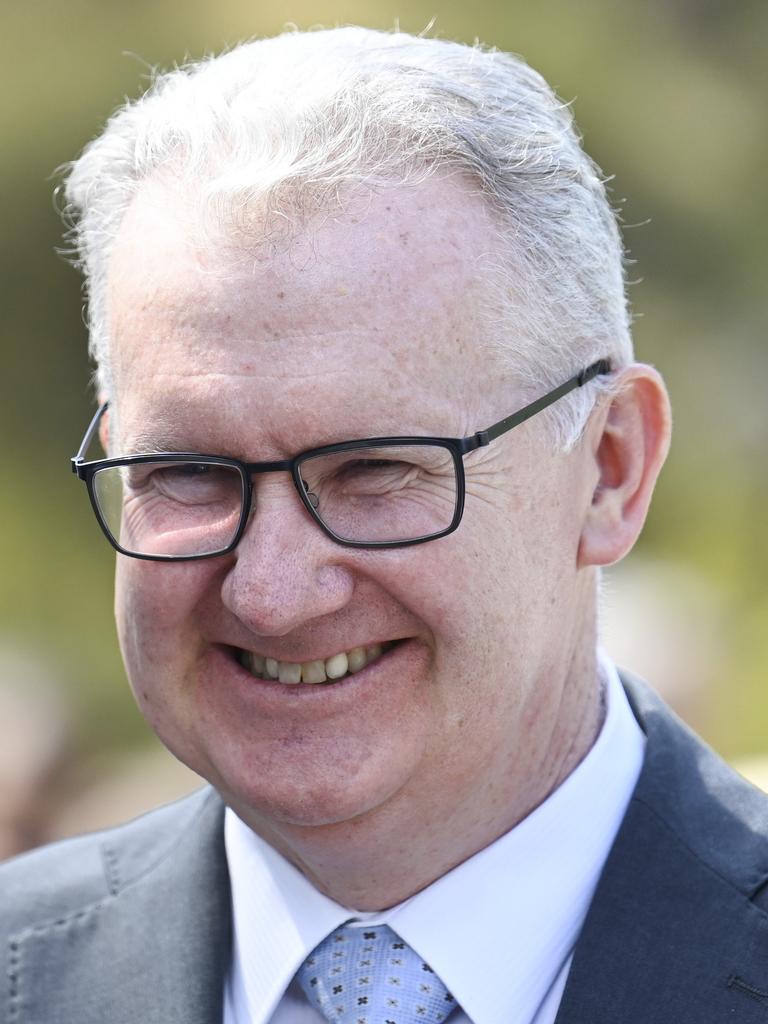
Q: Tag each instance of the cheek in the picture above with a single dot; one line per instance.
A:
(493, 597)
(154, 607)
(455, 589)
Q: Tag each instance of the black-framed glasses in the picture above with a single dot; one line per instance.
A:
(381, 492)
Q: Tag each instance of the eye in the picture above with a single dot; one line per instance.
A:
(188, 470)
(374, 473)
(361, 465)
(189, 483)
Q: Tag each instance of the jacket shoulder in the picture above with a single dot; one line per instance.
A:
(720, 817)
(677, 928)
(58, 880)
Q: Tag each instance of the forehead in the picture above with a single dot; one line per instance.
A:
(380, 306)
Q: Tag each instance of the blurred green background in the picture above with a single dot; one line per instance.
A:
(670, 96)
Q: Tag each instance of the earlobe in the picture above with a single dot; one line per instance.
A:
(628, 447)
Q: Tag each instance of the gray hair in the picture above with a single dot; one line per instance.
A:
(289, 122)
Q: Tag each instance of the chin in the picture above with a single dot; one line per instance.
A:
(315, 794)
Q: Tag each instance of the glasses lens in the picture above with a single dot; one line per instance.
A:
(170, 508)
(373, 495)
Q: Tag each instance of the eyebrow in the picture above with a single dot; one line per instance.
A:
(151, 444)
(168, 443)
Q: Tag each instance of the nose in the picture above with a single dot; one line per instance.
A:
(286, 572)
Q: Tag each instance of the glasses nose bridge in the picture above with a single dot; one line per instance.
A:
(257, 469)
(275, 466)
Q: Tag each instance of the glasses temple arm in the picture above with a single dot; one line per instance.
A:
(90, 433)
(484, 437)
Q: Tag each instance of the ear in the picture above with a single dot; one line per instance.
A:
(629, 441)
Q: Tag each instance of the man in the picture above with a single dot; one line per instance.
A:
(372, 427)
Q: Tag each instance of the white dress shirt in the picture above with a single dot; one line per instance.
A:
(499, 929)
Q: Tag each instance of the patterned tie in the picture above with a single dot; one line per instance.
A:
(370, 976)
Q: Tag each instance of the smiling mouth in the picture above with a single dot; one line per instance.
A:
(327, 670)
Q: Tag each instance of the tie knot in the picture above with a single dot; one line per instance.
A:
(368, 975)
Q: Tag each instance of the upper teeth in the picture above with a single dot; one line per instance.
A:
(328, 669)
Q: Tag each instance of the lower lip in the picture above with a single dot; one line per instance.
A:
(393, 670)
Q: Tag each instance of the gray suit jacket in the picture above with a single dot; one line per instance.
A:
(132, 926)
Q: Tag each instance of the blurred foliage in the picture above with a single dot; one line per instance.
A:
(670, 96)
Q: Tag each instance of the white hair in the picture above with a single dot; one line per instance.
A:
(288, 123)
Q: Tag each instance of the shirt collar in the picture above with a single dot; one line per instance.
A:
(497, 929)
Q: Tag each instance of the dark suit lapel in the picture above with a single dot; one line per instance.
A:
(674, 933)
(155, 951)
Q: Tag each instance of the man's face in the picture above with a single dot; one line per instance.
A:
(374, 329)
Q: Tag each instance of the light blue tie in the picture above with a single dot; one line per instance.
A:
(370, 976)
